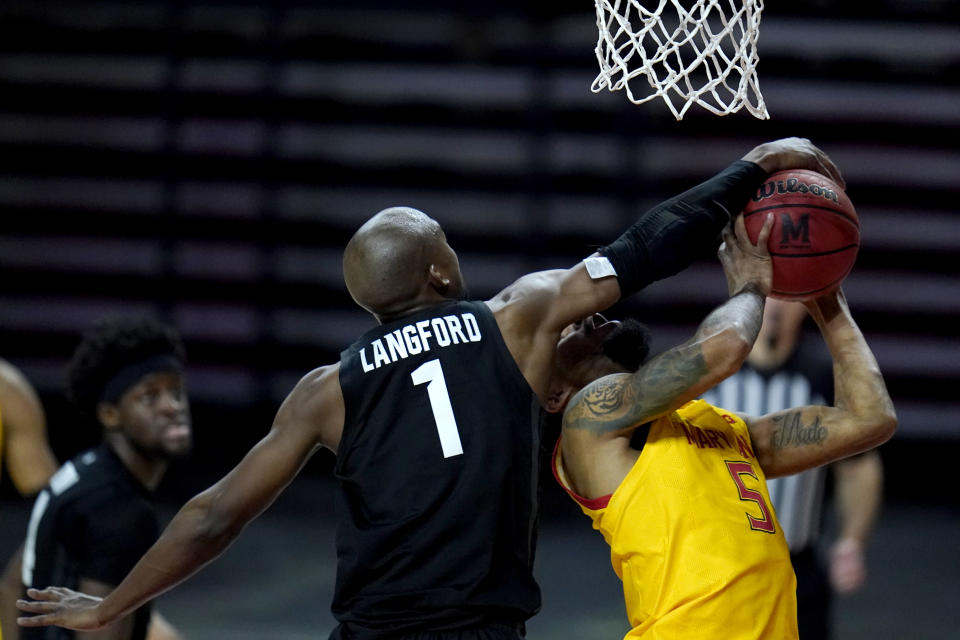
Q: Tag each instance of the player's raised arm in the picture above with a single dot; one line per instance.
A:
(665, 240)
(682, 373)
(310, 417)
(601, 417)
(669, 237)
(863, 416)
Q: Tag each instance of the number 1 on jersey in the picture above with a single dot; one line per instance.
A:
(432, 373)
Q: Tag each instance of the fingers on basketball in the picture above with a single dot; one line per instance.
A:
(815, 235)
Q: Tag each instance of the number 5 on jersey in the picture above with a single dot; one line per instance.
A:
(738, 469)
(432, 373)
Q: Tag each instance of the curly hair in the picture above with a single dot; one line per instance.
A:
(628, 345)
(111, 345)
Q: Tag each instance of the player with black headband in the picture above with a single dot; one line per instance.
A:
(435, 417)
(95, 518)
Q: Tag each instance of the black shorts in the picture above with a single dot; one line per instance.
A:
(814, 595)
(479, 632)
(483, 632)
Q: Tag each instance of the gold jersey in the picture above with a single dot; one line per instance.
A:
(692, 534)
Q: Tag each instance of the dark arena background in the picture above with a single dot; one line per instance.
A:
(208, 161)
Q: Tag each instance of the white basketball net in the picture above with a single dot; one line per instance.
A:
(698, 54)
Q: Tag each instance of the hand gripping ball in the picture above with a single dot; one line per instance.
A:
(815, 235)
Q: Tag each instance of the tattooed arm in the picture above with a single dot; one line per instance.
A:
(863, 416)
(601, 417)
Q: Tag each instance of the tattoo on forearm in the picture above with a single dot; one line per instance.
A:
(668, 377)
(619, 402)
(623, 401)
(791, 432)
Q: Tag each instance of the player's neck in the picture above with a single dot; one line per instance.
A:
(146, 469)
(413, 307)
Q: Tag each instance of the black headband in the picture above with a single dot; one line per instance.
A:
(129, 375)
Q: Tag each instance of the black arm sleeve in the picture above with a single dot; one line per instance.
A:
(669, 237)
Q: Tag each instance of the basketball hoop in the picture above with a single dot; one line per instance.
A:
(698, 54)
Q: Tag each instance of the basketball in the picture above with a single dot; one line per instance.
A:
(815, 235)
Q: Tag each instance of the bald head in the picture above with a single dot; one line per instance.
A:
(399, 260)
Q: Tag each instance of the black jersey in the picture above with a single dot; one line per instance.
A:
(437, 498)
(93, 520)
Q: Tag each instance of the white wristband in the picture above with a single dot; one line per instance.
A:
(599, 267)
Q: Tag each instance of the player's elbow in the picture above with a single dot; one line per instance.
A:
(212, 526)
(885, 426)
(877, 427)
(724, 353)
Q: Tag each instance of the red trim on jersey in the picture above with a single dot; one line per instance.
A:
(594, 504)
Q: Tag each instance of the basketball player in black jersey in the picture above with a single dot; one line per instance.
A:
(95, 517)
(434, 417)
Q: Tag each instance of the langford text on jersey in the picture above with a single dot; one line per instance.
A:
(418, 337)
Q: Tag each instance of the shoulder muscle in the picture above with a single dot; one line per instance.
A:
(315, 406)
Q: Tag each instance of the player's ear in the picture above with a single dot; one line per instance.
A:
(438, 280)
(109, 415)
(558, 398)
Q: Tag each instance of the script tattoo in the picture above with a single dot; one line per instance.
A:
(791, 432)
(604, 397)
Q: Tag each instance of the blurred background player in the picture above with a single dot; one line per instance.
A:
(787, 369)
(29, 463)
(95, 517)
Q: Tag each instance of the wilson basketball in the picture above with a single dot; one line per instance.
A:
(815, 235)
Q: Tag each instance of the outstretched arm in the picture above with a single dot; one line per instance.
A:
(863, 417)
(601, 417)
(665, 240)
(311, 416)
(669, 237)
(120, 630)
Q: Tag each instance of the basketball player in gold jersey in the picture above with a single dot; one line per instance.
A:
(29, 462)
(686, 512)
